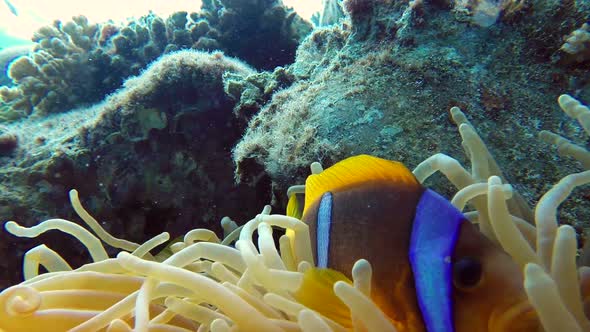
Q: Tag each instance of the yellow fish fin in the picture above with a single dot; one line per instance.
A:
(354, 171)
(317, 293)
(294, 208)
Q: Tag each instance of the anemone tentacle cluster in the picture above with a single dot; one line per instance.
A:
(203, 283)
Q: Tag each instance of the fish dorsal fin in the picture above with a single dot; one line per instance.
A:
(353, 171)
(317, 293)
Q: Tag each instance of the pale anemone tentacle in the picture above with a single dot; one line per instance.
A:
(296, 189)
(303, 266)
(504, 228)
(177, 247)
(363, 308)
(465, 195)
(232, 236)
(223, 274)
(239, 310)
(110, 265)
(185, 256)
(287, 253)
(95, 226)
(148, 288)
(163, 318)
(150, 244)
(564, 271)
(41, 255)
(576, 110)
(235, 233)
(450, 167)
(301, 246)
(220, 325)
(546, 212)
(127, 305)
(254, 301)
(272, 279)
(556, 247)
(142, 304)
(545, 298)
(460, 178)
(196, 312)
(228, 226)
(267, 248)
(200, 235)
(476, 145)
(483, 166)
(362, 273)
(210, 251)
(293, 308)
(92, 243)
(22, 300)
(288, 306)
(566, 148)
(554, 290)
(119, 325)
(178, 259)
(477, 151)
(311, 322)
(316, 168)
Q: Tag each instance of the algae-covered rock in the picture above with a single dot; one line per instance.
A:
(382, 83)
(155, 156)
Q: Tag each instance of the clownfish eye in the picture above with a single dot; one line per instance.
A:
(467, 273)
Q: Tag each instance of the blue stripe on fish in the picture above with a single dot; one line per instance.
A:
(323, 229)
(434, 235)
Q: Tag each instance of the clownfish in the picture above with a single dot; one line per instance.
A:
(433, 271)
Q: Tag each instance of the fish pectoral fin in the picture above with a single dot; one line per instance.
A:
(317, 293)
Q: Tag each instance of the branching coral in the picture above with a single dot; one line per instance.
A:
(577, 44)
(264, 33)
(77, 63)
(54, 74)
(208, 284)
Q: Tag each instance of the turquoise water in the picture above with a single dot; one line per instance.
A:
(7, 40)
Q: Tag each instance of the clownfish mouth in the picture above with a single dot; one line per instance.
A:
(520, 317)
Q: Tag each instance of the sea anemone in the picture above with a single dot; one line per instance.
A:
(203, 283)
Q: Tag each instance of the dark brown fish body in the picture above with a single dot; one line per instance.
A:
(355, 210)
(373, 220)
